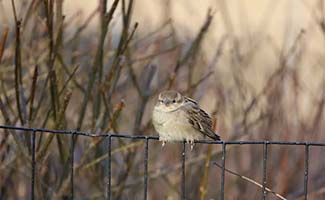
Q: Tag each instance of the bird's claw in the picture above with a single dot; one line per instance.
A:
(192, 144)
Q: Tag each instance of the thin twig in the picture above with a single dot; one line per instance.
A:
(3, 41)
(251, 181)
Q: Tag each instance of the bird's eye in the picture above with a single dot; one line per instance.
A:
(174, 101)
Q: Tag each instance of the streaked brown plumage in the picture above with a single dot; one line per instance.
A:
(177, 118)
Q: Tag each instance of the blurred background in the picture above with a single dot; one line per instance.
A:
(257, 66)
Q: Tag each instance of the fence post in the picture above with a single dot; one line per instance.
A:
(145, 174)
(264, 170)
(33, 165)
(109, 167)
(71, 164)
(223, 164)
(306, 171)
(183, 171)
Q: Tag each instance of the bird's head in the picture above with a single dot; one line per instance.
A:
(170, 100)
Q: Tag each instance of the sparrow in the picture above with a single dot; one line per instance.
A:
(179, 118)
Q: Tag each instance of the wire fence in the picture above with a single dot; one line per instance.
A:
(224, 144)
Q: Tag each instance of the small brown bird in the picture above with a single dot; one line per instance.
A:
(178, 118)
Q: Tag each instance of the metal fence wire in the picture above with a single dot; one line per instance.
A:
(224, 144)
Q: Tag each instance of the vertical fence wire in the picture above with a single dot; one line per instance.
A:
(306, 171)
(33, 166)
(109, 167)
(264, 170)
(71, 164)
(183, 171)
(223, 165)
(145, 174)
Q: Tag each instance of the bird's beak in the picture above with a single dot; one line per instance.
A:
(166, 102)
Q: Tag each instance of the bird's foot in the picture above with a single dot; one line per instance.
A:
(192, 144)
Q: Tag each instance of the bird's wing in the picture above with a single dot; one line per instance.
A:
(199, 119)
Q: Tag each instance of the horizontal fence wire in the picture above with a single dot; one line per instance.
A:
(150, 137)
(147, 138)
